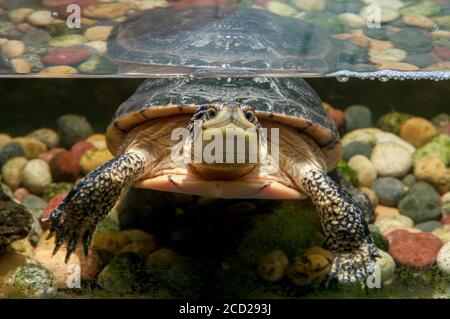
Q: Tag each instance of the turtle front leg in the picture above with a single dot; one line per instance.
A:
(91, 199)
(345, 228)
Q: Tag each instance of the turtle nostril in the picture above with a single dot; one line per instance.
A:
(211, 113)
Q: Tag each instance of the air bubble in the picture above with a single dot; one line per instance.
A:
(342, 79)
(385, 75)
(383, 79)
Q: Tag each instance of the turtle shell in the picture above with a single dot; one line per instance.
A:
(289, 101)
(220, 38)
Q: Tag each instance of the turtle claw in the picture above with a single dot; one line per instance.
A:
(353, 267)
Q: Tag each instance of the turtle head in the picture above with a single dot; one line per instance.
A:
(225, 141)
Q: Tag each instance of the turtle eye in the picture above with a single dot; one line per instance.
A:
(211, 113)
(250, 116)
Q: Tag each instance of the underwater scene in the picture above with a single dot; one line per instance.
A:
(222, 149)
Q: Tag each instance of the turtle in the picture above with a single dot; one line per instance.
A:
(221, 39)
(158, 137)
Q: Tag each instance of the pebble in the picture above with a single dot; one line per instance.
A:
(106, 10)
(21, 193)
(66, 56)
(365, 135)
(379, 240)
(389, 55)
(311, 268)
(386, 265)
(417, 131)
(421, 203)
(426, 8)
(421, 60)
(4, 139)
(387, 14)
(36, 36)
(98, 33)
(445, 209)
(440, 120)
(394, 4)
(101, 47)
(67, 40)
(36, 176)
(97, 65)
(415, 250)
(98, 140)
(64, 167)
(34, 203)
(93, 159)
(33, 281)
(20, 66)
(356, 148)
(111, 241)
(309, 5)
(370, 194)
(391, 159)
(9, 151)
(137, 235)
(53, 203)
(438, 147)
(398, 66)
(47, 156)
(443, 259)
(13, 49)
(55, 189)
(79, 148)
(445, 198)
(31, 146)
(337, 115)
(12, 172)
(381, 211)
(429, 226)
(72, 129)
(443, 21)
(364, 168)
(389, 190)
(389, 223)
(280, 8)
(409, 180)
(60, 69)
(446, 220)
(358, 116)
(19, 15)
(412, 40)
(161, 258)
(9, 262)
(273, 265)
(47, 136)
(41, 18)
(384, 137)
(418, 20)
(443, 233)
(433, 170)
(352, 20)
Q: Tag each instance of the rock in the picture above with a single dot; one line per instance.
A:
(41, 18)
(429, 226)
(20, 66)
(364, 168)
(21, 193)
(389, 190)
(352, 20)
(33, 281)
(446, 220)
(409, 180)
(98, 140)
(97, 65)
(161, 258)
(34, 62)
(388, 55)
(443, 233)
(391, 159)
(381, 211)
(311, 268)
(443, 259)
(36, 36)
(64, 167)
(418, 131)
(445, 198)
(93, 264)
(433, 170)
(101, 47)
(280, 8)
(398, 66)
(36, 176)
(412, 40)
(421, 203)
(72, 129)
(15, 220)
(123, 275)
(421, 60)
(93, 159)
(387, 14)
(55, 189)
(9, 151)
(47, 136)
(48, 156)
(43, 255)
(272, 265)
(445, 209)
(380, 241)
(426, 8)
(437, 147)
(385, 137)
(440, 120)
(4, 139)
(140, 248)
(79, 148)
(370, 195)
(66, 56)
(12, 172)
(415, 250)
(59, 69)
(67, 40)
(34, 203)
(111, 241)
(365, 135)
(337, 115)
(31, 146)
(9, 262)
(386, 265)
(13, 49)
(19, 15)
(347, 172)
(357, 116)
(388, 223)
(98, 33)
(418, 20)
(53, 203)
(137, 235)
(309, 5)
(443, 21)
(106, 10)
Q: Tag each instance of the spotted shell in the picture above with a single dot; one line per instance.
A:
(290, 101)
